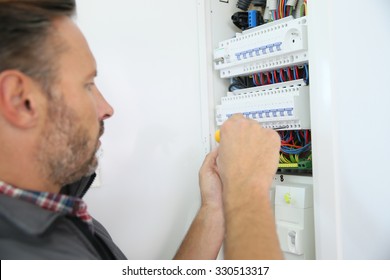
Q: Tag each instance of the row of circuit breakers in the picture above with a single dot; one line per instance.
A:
(268, 48)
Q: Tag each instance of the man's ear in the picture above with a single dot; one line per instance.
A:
(18, 99)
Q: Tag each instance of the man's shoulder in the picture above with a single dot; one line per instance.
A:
(30, 232)
(24, 216)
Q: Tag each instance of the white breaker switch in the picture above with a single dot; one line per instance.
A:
(295, 220)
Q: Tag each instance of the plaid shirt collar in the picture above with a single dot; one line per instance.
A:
(55, 202)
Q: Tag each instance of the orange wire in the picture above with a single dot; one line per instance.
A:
(281, 9)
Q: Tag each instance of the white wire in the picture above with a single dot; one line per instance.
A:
(272, 5)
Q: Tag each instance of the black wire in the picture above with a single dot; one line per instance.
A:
(243, 4)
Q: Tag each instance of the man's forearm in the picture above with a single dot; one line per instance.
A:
(205, 236)
(250, 226)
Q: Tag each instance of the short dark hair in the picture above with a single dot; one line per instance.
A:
(25, 41)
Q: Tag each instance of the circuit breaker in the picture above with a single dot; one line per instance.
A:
(294, 218)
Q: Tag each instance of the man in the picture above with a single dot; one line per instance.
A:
(51, 118)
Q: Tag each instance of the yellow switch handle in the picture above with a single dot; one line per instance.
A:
(287, 198)
(217, 135)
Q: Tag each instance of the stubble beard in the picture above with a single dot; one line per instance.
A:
(66, 152)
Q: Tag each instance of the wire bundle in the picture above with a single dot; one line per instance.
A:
(239, 83)
(281, 8)
(281, 75)
(295, 146)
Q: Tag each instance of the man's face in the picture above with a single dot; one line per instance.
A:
(75, 112)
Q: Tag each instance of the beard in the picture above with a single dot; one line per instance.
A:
(67, 151)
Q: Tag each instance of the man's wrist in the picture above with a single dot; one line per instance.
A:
(210, 210)
(242, 194)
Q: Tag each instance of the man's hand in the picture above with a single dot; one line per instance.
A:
(248, 153)
(247, 162)
(210, 183)
(205, 236)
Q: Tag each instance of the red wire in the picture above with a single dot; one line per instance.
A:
(303, 135)
(261, 79)
(275, 77)
(256, 81)
(282, 74)
(284, 141)
(268, 78)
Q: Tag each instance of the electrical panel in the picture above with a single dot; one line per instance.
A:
(268, 70)
(264, 65)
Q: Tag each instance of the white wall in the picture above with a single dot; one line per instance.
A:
(350, 101)
(148, 69)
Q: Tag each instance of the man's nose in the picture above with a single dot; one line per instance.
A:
(105, 110)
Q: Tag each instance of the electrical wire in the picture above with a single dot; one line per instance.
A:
(297, 73)
(261, 78)
(281, 75)
(306, 73)
(268, 78)
(271, 77)
(303, 8)
(280, 10)
(276, 77)
(237, 83)
(295, 146)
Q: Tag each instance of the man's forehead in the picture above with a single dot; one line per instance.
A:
(75, 42)
(68, 30)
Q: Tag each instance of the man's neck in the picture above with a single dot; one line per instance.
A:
(26, 180)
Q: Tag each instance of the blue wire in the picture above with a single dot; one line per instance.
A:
(254, 80)
(284, 8)
(306, 73)
(258, 74)
(299, 138)
(272, 75)
(295, 76)
(280, 75)
(305, 136)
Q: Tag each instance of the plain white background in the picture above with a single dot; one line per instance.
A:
(350, 101)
